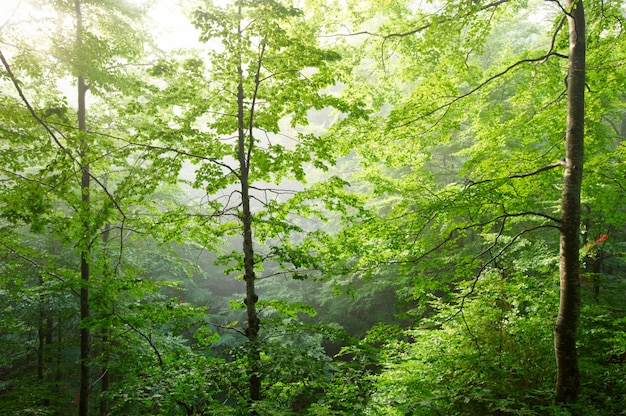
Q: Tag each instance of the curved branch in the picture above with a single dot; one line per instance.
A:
(37, 265)
(144, 336)
(492, 78)
(52, 134)
(538, 170)
(30, 108)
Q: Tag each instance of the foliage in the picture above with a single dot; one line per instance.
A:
(404, 176)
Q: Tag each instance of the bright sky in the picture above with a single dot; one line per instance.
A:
(170, 26)
(173, 29)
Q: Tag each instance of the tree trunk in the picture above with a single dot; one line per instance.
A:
(252, 331)
(85, 254)
(105, 332)
(568, 377)
(41, 334)
(105, 379)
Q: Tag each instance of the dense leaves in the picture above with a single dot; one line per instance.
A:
(352, 207)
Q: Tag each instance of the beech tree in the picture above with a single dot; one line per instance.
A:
(69, 161)
(241, 118)
(482, 201)
(423, 161)
(565, 331)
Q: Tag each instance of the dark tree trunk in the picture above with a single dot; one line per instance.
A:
(252, 331)
(85, 333)
(41, 334)
(244, 152)
(85, 254)
(568, 377)
(105, 333)
(244, 149)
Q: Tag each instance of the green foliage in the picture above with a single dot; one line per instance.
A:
(414, 275)
(487, 352)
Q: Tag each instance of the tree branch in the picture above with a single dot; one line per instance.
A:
(37, 265)
(538, 170)
(144, 336)
(184, 153)
(51, 132)
(479, 86)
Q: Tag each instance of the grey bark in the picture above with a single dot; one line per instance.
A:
(568, 374)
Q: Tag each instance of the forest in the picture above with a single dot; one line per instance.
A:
(313, 207)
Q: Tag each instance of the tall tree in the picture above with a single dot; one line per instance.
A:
(72, 158)
(506, 138)
(242, 119)
(565, 331)
(84, 213)
(278, 70)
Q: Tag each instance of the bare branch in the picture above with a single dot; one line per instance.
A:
(538, 170)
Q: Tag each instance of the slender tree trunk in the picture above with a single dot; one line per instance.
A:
(41, 334)
(568, 377)
(105, 380)
(85, 251)
(44, 338)
(85, 333)
(105, 332)
(252, 331)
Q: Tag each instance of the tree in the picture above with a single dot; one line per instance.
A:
(565, 331)
(481, 108)
(69, 163)
(84, 214)
(241, 119)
